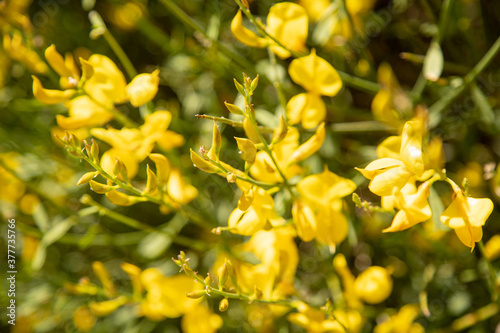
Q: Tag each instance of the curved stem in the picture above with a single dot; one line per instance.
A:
(122, 56)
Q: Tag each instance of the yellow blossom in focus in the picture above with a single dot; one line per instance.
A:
(414, 208)
(466, 216)
(287, 22)
(318, 211)
(318, 77)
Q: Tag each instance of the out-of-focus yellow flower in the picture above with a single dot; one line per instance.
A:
(17, 50)
(357, 7)
(105, 308)
(373, 285)
(315, 321)
(287, 22)
(402, 321)
(201, 319)
(125, 16)
(390, 105)
(466, 216)
(143, 88)
(414, 208)
(166, 296)
(11, 188)
(103, 275)
(84, 319)
(318, 77)
(351, 297)
(492, 248)
(318, 211)
(315, 8)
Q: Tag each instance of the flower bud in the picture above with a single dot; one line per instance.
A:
(373, 285)
(203, 164)
(281, 132)
(247, 149)
(231, 178)
(234, 109)
(223, 274)
(196, 294)
(214, 151)
(152, 181)
(238, 85)
(162, 168)
(223, 305)
(87, 177)
(208, 279)
(310, 146)
(100, 188)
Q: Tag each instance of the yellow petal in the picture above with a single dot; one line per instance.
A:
(56, 61)
(156, 124)
(179, 189)
(385, 182)
(315, 75)
(310, 146)
(107, 85)
(288, 23)
(373, 285)
(390, 147)
(245, 222)
(50, 96)
(83, 112)
(325, 187)
(107, 307)
(469, 235)
(479, 211)
(162, 167)
(108, 160)
(170, 140)
(103, 275)
(122, 199)
(247, 149)
(356, 7)
(411, 146)
(143, 88)
(465, 212)
(305, 220)
(306, 108)
(245, 35)
(332, 226)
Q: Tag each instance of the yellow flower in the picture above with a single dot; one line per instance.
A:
(315, 8)
(132, 145)
(264, 168)
(166, 296)
(83, 112)
(84, 319)
(318, 77)
(201, 319)
(315, 321)
(317, 213)
(357, 7)
(402, 321)
(466, 216)
(390, 105)
(492, 247)
(16, 49)
(414, 208)
(351, 297)
(143, 88)
(306, 108)
(373, 285)
(257, 215)
(287, 22)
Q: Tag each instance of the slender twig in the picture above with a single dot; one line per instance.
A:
(233, 123)
(122, 56)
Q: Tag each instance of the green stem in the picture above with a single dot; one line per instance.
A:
(122, 56)
(192, 24)
(492, 273)
(246, 178)
(360, 126)
(437, 108)
(233, 123)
